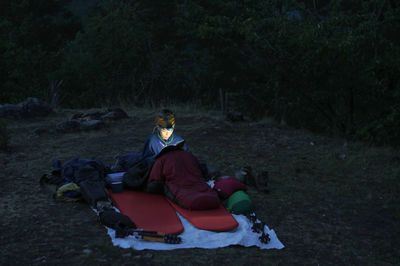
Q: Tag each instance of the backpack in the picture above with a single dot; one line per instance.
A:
(66, 181)
(78, 170)
(93, 191)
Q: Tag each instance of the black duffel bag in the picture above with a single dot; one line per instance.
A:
(136, 177)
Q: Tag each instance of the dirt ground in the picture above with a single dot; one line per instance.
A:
(331, 202)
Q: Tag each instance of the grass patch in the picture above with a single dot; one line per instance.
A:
(4, 135)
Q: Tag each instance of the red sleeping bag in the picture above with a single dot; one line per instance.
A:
(181, 173)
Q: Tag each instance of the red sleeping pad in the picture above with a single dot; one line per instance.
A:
(157, 213)
(214, 220)
(148, 211)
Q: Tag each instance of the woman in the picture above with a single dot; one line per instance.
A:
(176, 171)
(163, 136)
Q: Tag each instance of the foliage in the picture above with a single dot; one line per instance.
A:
(328, 66)
(103, 60)
(385, 131)
(32, 35)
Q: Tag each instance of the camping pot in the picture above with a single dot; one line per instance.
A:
(117, 187)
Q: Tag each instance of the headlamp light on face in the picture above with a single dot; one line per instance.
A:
(170, 129)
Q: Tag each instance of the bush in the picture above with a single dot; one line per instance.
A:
(330, 66)
(383, 131)
(4, 135)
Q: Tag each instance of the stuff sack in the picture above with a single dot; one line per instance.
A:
(116, 220)
(60, 189)
(227, 186)
(239, 203)
(69, 192)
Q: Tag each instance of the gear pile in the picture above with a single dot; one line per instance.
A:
(258, 227)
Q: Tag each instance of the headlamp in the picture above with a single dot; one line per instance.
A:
(170, 129)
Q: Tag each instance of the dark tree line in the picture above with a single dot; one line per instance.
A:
(329, 66)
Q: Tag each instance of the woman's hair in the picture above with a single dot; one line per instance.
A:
(165, 119)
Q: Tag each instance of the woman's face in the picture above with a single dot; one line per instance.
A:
(166, 133)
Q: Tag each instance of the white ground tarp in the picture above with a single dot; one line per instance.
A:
(196, 238)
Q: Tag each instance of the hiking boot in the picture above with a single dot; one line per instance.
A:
(56, 167)
(241, 175)
(262, 181)
(245, 176)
